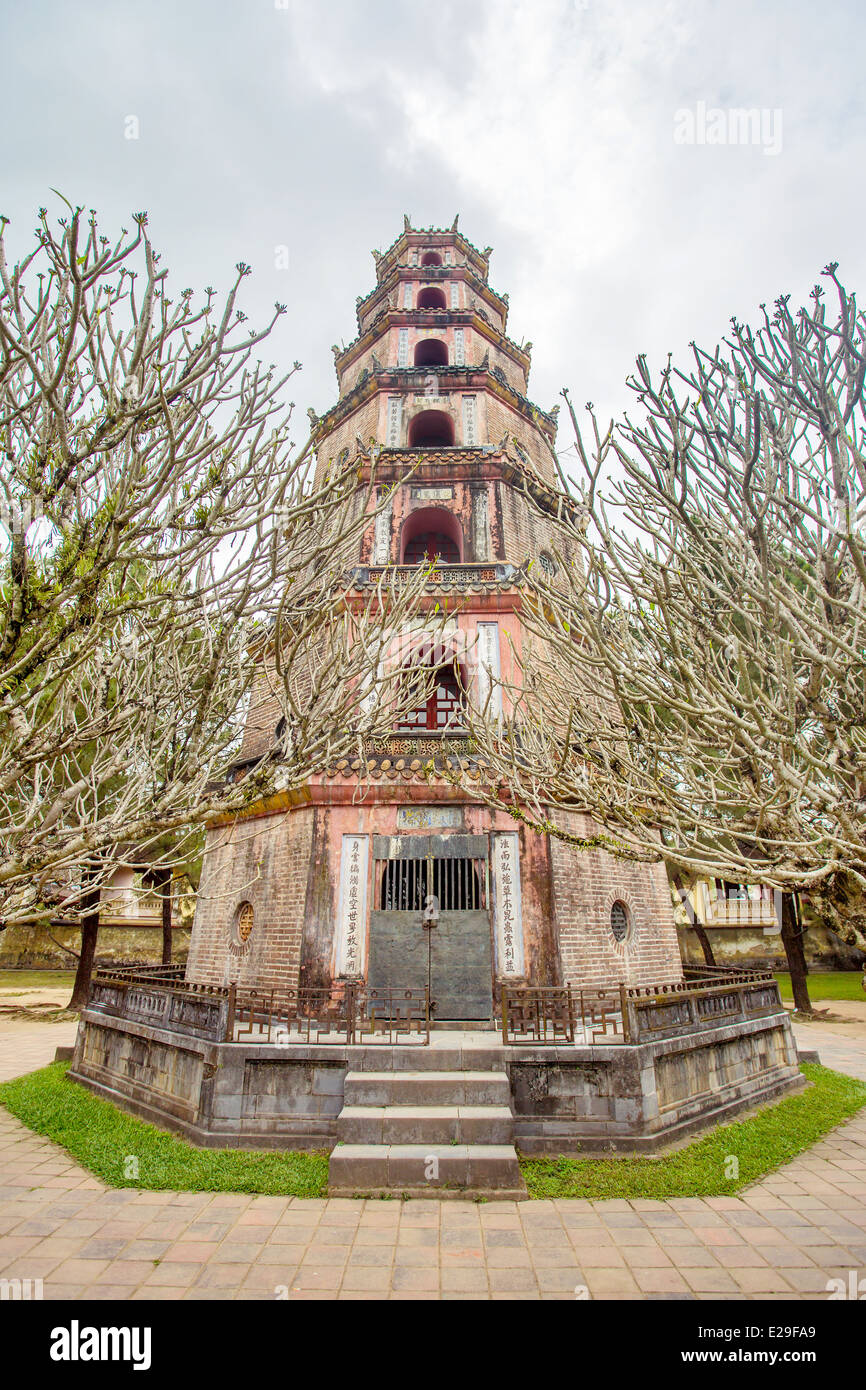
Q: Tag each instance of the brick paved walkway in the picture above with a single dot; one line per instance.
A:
(836, 1050)
(783, 1238)
(26, 1046)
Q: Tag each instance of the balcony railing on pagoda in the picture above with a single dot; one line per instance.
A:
(348, 1012)
(466, 576)
(432, 745)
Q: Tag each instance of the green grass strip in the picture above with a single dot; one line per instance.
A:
(835, 984)
(103, 1139)
(760, 1144)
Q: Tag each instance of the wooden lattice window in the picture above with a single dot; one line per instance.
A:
(443, 710)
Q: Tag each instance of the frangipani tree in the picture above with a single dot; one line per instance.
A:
(704, 668)
(165, 541)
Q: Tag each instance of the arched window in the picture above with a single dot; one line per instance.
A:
(431, 258)
(431, 429)
(430, 532)
(431, 298)
(443, 710)
(431, 352)
(429, 547)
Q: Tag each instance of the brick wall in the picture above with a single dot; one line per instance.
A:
(585, 885)
(264, 862)
(526, 532)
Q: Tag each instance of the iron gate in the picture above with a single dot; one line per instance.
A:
(406, 869)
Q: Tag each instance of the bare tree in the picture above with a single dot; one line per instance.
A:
(703, 666)
(167, 544)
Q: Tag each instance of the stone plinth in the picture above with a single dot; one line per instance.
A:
(564, 1099)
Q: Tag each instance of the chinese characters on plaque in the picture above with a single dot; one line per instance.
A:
(509, 920)
(352, 912)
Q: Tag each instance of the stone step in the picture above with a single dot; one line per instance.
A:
(425, 1124)
(473, 1056)
(458, 1025)
(426, 1088)
(459, 1170)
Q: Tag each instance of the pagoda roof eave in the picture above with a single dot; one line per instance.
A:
(398, 273)
(425, 233)
(381, 380)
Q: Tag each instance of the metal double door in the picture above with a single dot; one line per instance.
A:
(460, 963)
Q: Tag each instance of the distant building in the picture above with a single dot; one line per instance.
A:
(743, 926)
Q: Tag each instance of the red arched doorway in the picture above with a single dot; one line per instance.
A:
(442, 711)
(431, 352)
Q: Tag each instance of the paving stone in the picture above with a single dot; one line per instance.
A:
(784, 1238)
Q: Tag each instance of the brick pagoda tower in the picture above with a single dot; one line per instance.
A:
(332, 885)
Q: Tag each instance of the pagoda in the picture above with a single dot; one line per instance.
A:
(308, 890)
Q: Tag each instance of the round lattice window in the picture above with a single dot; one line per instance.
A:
(245, 922)
(620, 921)
(546, 565)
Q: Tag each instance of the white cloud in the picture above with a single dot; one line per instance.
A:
(557, 118)
(548, 124)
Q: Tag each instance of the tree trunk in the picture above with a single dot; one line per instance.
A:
(162, 882)
(792, 940)
(89, 933)
(707, 949)
(696, 926)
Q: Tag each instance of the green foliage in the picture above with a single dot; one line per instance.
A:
(102, 1138)
(12, 980)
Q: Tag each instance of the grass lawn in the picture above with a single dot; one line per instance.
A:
(836, 984)
(36, 979)
(760, 1143)
(103, 1139)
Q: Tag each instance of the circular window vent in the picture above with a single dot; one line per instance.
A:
(619, 920)
(245, 922)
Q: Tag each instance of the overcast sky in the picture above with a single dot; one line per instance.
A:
(548, 125)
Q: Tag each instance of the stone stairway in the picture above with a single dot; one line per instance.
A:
(435, 1122)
